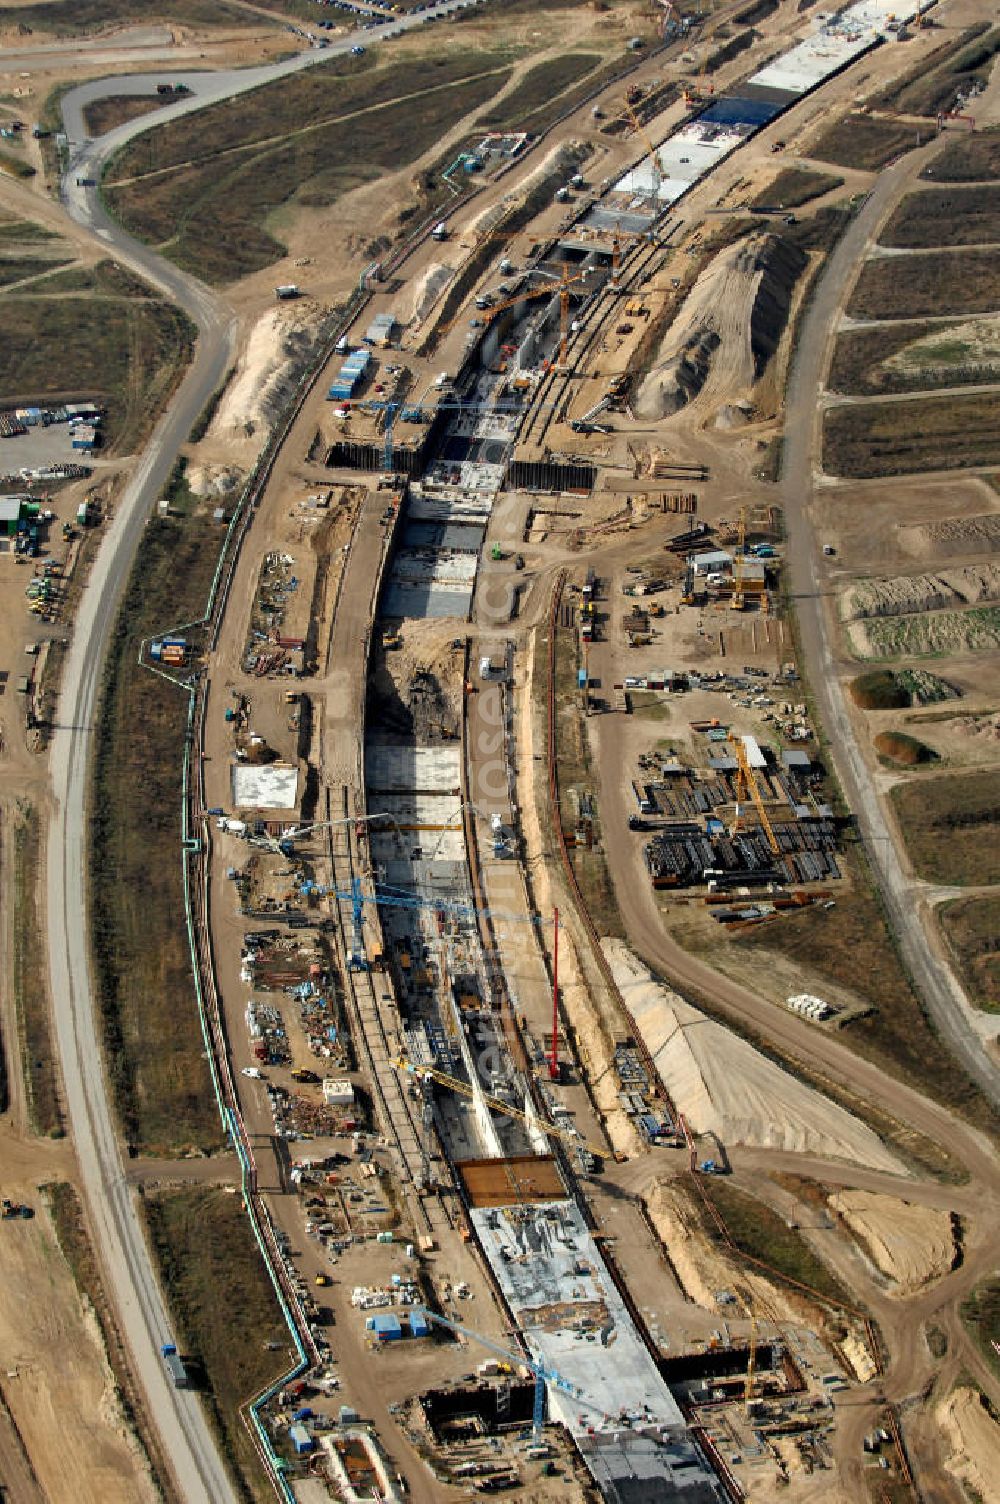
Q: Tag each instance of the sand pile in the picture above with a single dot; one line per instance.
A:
(429, 288)
(723, 1085)
(702, 1268)
(953, 535)
(900, 595)
(215, 481)
(975, 1439)
(727, 330)
(910, 1244)
(280, 344)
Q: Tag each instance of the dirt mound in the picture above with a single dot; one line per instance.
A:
(929, 634)
(899, 595)
(724, 1086)
(429, 288)
(903, 749)
(215, 481)
(910, 1244)
(952, 535)
(975, 1439)
(278, 350)
(728, 328)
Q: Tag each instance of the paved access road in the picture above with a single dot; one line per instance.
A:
(933, 978)
(131, 1280)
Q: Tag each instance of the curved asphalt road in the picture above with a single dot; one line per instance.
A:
(935, 983)
(178, 1417)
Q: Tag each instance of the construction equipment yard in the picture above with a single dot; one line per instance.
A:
(500, 831)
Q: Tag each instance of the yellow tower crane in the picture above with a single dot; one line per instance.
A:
(430, 1073)
(741, 545)
(746, 783)
(641, 131)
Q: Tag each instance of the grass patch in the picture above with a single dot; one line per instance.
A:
(762, 1234)
(142, 965)
(972, 158)
(211, 215)
(66, 1211)
(850, 946)
(105, 114)
(904, 750)
(943, 217)
(936, 433)
(952, 827)
(972, 928)
(225, 1309)
(880, 689)
(794, 186)
(981, 1315)
(863, 143)
(931, 285)
(31, 996)
(129, 355)
(859, 366)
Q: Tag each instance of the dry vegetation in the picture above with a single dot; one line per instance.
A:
(945, 216)
(870, 362)
(933, 284)
(762, 1234)
(225, 1309)
(203, 189)
(939, 433)
(67, 18)
(104, 114)
(794, 186)
(973, 158)
(155, 1051)
(852, 941)
(128, 353)
(936, 83)
(972, 929)
(31, 995)
(863, 143)
(951, 827)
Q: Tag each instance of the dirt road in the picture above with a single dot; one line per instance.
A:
(932, 977)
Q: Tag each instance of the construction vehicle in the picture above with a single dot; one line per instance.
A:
(304, 1077)
(323, 1280)
(566, 1135)
(10, 1209)
(542, 1373)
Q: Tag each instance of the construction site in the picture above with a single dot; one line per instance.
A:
(415, 1033)
(519, 869)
